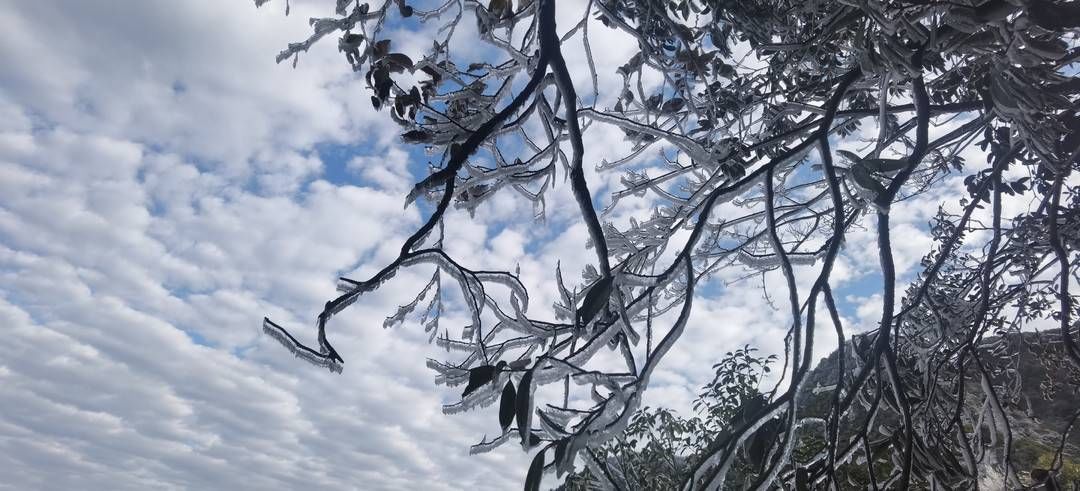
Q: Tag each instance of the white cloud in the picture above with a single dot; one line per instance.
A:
(161, 190)
(159, 187)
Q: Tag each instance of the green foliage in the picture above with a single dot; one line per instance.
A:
(736, 381)
(1030, 454)
(659, 448)
(1070, 468)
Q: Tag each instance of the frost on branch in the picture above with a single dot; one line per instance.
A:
(757, 136)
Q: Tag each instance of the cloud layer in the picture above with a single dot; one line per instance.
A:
(161, 191)
(163, 185)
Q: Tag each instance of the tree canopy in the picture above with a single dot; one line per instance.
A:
(749, 102)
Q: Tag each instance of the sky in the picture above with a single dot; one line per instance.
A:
(164, 185)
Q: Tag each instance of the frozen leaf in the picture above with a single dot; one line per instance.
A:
(672, 106)
(398, 62)
(595, 300)
(478, 377)
(523, 408)
(802, 479)
(506, 405)
(866, 181)
(417, 136)
(536, 472)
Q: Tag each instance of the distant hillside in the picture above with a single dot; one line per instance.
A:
(1036, 383)
(1040, 401)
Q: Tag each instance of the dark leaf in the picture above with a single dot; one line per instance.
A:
(352, 39)
(398, 62)
(417, 136)
(550, 422)
(483, 24)
(748, 409)
(399, 106)
(478, 377)
(595, 300)
(341, 6)
(884, 165)
(1054, 16)
(506, 405)
(633, 65)
(408, 99)
(802, 479)
(560, 454)
(1039, 475)
(613, 343)
(381, 48)
(433, 73)
(379, 76)
(382, 89)
(725, 70)
(520, 364)
(863, 178)
(672, 106)
(653, 102)
(524, 406)
(536, 471)
(762, 440)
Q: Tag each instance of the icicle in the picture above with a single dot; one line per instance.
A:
(486, 445)
(482, 397)
(550, 427)
(771, 261)
(455, 345)
(406, 309)
(298, 350)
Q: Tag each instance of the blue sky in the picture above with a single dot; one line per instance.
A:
(164, 185)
